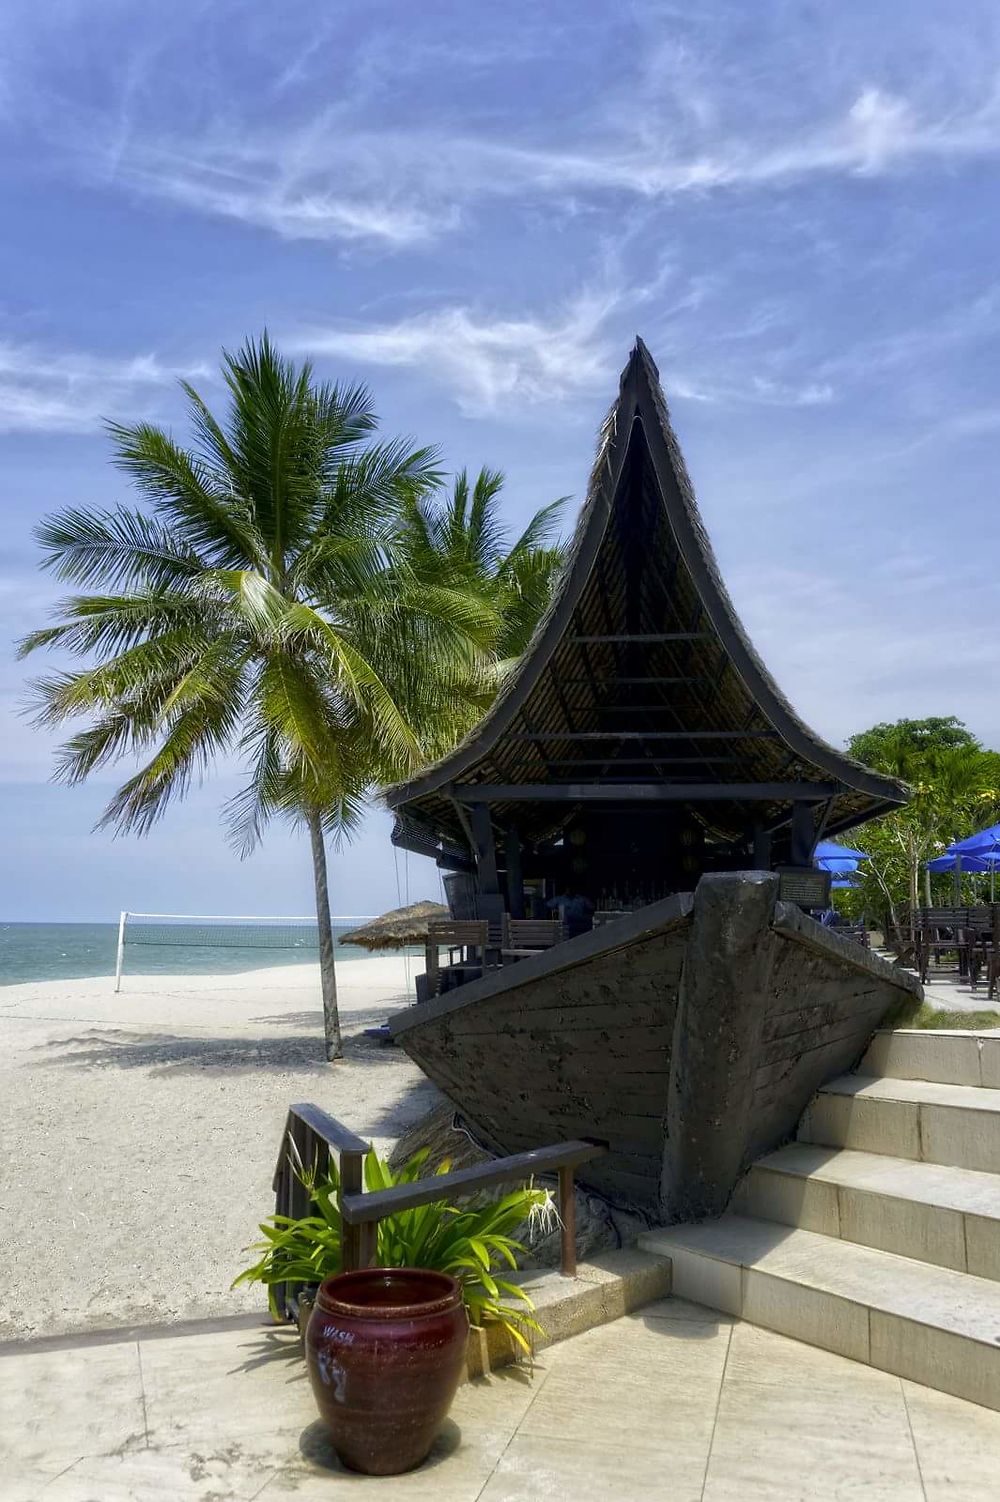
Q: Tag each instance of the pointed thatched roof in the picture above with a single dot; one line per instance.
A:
(640, 677)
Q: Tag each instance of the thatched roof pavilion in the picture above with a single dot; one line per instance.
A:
(398, 929)
(641, 741)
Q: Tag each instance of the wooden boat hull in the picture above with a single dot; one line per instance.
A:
(688, 1036)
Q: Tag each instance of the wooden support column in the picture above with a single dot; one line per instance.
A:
(761, 848)
(490, 899)
(803, 834)
(515, 876)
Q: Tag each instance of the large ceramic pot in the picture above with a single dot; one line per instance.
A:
(385, 1348)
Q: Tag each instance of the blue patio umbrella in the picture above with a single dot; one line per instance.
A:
(963, 855)
(840, 859)
(984, 839)
(964, 860)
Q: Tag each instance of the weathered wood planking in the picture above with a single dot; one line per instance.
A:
(688, 1037)
(581, 1051)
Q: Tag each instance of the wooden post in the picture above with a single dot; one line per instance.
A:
(489, 900)
(761, 848)
(803, 834)
(352, 1244)
(567, 1214)
(368, 1249)
(515, 878)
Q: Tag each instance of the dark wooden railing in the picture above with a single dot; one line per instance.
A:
(309, 1139)
(311, 1136)
(563, 1158)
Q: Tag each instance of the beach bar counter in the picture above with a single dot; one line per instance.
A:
(642, 774)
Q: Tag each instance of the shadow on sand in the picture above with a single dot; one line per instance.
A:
(177, 1053)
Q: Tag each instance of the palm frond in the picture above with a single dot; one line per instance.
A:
(188, 498)
(113, 623)
(539, 532)
(116, 548)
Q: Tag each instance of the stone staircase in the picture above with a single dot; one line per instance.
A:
(877, 1233)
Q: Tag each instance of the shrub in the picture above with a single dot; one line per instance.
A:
(472, 1242)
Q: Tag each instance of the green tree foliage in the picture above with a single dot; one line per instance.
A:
(955, 785)
(463, 539)
(265, 604)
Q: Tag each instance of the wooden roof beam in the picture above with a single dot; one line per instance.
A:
(670, 792)
(646, 735)
(644, 636)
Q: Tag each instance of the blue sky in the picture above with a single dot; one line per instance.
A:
(474, 209)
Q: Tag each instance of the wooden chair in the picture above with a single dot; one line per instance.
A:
(942, 930)
(984, 946)
(527, 936)
(466, 935)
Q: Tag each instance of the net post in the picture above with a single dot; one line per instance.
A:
(121, 952)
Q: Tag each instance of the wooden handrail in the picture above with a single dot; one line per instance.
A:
(368, 1209)
(358, 1209)
(311, 1136)
(328, 1129)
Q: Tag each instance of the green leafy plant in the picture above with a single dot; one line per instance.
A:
(472, 1241)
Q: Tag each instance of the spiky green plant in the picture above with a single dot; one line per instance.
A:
(471, 1241)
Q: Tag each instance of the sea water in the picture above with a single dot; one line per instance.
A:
(74, 951)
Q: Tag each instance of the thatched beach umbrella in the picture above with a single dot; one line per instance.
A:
(403, 927)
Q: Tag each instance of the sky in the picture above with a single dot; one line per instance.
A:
(474, 209)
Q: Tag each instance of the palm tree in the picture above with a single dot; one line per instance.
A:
(463, 539)
(259, 606)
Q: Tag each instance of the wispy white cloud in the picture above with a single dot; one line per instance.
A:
(399, 190)
(295, 201)
(756, 390)
(488, 363)
(494, 363)
(49, 391)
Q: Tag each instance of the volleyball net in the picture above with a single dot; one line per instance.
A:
(200, 931)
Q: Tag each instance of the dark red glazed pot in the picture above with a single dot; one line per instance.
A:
(385, 1348)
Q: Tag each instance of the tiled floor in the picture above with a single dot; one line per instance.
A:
(675, 1402)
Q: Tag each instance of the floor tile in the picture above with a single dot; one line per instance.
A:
(785, 1443)
(56, 1406)
(650, 1386)
(24, 1483)
(159, 1476)
(957, 1443)
(536, 1469)
(759, 1355)
(684, 1309)
(456, 1470)
(245, 1392)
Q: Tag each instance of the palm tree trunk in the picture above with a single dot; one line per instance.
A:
(327, 970)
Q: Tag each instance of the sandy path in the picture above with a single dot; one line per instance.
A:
(138, 1133)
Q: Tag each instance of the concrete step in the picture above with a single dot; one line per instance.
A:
(943, 1215)
(928, 1324)
(951, 1058)
(919, 1119)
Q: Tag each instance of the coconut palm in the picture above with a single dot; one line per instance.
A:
(258, 608)
(463, 539)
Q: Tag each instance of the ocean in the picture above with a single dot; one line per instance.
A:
(76, 951)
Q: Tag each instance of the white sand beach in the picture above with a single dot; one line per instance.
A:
(139, 1132)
